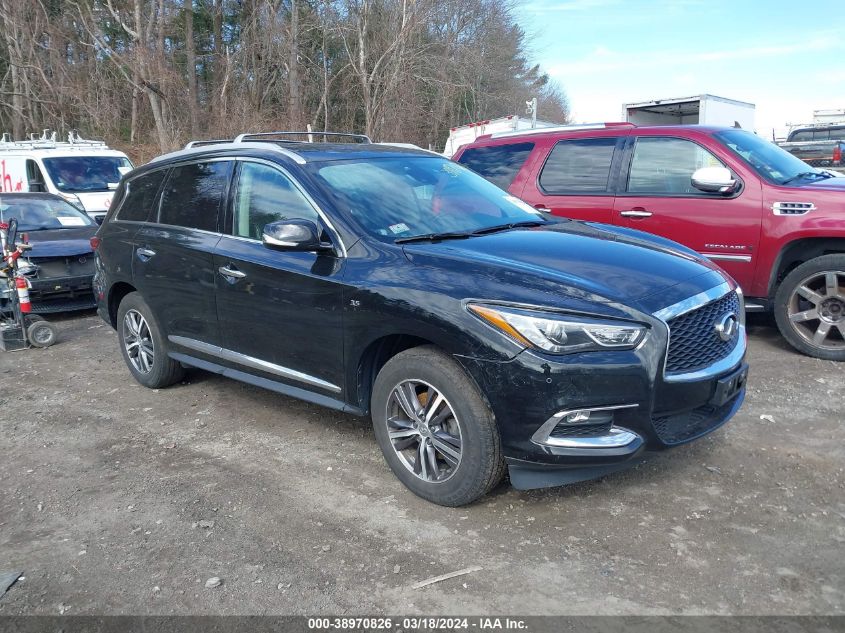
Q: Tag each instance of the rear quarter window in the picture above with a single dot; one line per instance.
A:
(141, 195)
(579, 166)
(499, 164)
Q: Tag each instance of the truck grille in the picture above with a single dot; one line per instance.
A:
(694, 342)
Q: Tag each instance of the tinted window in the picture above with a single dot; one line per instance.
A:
(193, 195)
(803, 135)
(139, 203)
(498, 164)
(579, 165)
(266, 195)
(666, 165)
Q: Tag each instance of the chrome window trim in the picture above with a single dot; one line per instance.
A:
(692, 303)
(251, 361)
(541, 435)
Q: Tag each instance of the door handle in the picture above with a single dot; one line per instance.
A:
(144, 254)
(231, 274)
(635, 213)
(543, 208)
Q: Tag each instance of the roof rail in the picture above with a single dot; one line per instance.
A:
(207, 142)
(561, 128)
(258, 136)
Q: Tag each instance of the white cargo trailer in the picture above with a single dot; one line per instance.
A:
(697, 110)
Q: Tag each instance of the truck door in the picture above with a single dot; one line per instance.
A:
(575, 177)
(656, 195)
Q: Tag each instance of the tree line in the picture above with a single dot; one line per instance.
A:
(154, 73)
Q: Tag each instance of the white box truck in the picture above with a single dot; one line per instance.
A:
(85, 173)
(698, 110)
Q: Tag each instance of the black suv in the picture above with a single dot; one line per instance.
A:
(387, 281)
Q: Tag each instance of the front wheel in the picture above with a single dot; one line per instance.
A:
(810, 307)
(436, 432)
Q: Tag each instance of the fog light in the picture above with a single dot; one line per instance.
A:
(586, 416)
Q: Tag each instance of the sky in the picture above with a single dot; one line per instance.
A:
(786, 57)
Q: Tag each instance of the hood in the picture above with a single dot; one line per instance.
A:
(96, 202)
(585, 261)
(829, 184)
(61, 242)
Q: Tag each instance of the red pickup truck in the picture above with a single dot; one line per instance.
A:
(770, 220)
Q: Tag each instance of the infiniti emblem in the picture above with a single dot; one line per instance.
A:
(726, 326)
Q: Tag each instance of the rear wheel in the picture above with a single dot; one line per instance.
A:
(435, 430)
(143, 346)
(810, 307)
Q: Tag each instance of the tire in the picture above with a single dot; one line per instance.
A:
(40, 333)
(810, 307)
(457, 412)
(143, 346)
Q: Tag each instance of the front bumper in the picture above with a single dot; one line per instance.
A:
(569, 418)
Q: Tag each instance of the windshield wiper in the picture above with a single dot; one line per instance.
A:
(806, 174)
(432, 237)
(512, 225)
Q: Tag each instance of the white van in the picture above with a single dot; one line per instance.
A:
(85, 173)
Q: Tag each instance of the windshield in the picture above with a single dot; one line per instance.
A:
(74, 174)
(398, 198)
(767, 159)
(38, 214)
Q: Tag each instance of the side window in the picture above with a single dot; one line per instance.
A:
(266, 195)
(579, 166)
(803, 135)
(193, 195)
(34, 177)
(663, 165)
(821, 135)
(499, 164)
(139, 202)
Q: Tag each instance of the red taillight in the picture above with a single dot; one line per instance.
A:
(837, 154)
(95, 242)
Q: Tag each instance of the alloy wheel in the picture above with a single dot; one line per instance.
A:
(424, 431)
(816, 309)
(138, 341)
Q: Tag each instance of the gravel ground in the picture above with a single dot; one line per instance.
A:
(120, 500)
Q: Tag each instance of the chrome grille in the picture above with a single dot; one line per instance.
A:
(694, 342)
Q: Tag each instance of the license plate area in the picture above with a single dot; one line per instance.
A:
(728, 387)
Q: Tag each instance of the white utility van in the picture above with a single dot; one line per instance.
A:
(85, 173)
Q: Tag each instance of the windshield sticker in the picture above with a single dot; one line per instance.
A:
(451, 168)
(398, 228)
(69, 220)
(522, 205)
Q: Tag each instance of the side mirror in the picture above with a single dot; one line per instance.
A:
(714, 180)
(294, 235)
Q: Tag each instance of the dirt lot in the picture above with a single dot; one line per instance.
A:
(117, 499)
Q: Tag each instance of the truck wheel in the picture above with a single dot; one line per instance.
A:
(436, 432)
(810, 307)
(143, 347)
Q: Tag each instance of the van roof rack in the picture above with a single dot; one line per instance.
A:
(47, 140)
(560, 128)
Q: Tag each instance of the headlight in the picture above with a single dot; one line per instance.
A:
(559, 333)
